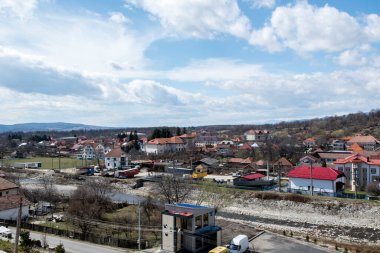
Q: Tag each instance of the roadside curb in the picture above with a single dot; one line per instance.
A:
(254, 237)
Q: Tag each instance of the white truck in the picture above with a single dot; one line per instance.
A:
(239, 244)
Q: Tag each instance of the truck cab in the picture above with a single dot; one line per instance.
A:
(239, 244)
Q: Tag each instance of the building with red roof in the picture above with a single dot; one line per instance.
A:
(322, 180)
(10, 201)
(359, 170)
(164, 145)
(367, 142)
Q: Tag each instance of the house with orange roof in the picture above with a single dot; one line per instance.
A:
(310, 142)
(367, 142)
(189, 140)
(91, 151)
(359, 170)
(10, 201)
(257, 135)
(165, 145)
(115, 159)
(355, 148)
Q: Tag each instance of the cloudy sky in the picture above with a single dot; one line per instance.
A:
(187, 63)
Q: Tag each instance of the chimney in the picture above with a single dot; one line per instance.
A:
(368, 159)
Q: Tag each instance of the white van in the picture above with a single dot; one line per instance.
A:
(239, 244)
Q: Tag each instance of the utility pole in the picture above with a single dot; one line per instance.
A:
(59, 158)
(139, 227)
(18, 225)
(279, 175)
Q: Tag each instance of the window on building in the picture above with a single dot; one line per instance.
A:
(205, 220)
(340, 168)
(373, 170)
(198, 222)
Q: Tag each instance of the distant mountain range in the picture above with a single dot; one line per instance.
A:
(58, 126)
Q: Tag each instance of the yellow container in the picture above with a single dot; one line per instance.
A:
(219, 249)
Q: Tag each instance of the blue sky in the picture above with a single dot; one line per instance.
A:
(187, 63)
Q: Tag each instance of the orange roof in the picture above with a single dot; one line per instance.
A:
(310, 140)
(355, 147)
(358, 158)
(116, 152)
(283, 161)
(162, 141)
(5, 184)
(363, 139)
(12, 201)
(236, 160)
(188, 136)
(248, 160)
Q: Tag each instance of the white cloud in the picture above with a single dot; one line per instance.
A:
(372, 28)
(257, 4)
(197, 18)
(21, 9)
(306, 28)
(119, 18)
(211, 69)
(89, 42)
(352, 58)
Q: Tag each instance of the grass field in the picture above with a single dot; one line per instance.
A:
(52, 163)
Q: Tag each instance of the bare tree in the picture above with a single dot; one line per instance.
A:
(209, 193)
(173, 189)
(86, 204)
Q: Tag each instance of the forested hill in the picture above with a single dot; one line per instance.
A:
(58, 126)
(333, 126)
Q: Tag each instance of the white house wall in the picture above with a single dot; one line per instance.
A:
(11, 214)
(370, 177)
(319, 185)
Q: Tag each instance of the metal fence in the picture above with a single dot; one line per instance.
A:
(329, 194)
(89, 237)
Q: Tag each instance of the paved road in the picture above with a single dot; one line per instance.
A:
(74, 246)
(271, 243)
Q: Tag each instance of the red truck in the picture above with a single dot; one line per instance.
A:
(126, 173)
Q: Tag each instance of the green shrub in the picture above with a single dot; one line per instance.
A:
(59, 248)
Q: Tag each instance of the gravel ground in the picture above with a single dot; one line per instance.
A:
(330, 219)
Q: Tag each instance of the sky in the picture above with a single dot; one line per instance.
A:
(127, 63)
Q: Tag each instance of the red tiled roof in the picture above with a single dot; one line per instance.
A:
(116, 152)
(248, 160)
(363, 139)
(236, 160)
(253, 176)
(245, 146)
(310, 140)
(161, 141)
(355, 147)
(358, 158)
(283, 161)
(257, 132)
(6, 185)
(188, 136)
(320, 173)
(12, 201)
